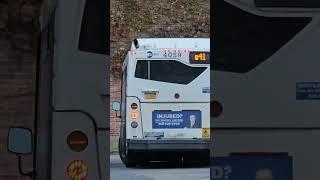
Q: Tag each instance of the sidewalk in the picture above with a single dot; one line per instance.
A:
(114, 144)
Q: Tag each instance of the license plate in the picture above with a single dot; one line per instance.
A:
(150, 95)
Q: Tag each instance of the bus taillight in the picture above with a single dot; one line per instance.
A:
(134, 106)
(134, 115)
(216, 109)
(134, 124)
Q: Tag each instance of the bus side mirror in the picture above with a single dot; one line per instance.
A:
(116, 106)
(20, 141)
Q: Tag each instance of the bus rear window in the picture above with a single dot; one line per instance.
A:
(167, 71)
(142, 70)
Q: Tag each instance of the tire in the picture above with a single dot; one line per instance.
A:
(125, 158)
(128, 162)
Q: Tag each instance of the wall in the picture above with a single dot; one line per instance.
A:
(18, 33)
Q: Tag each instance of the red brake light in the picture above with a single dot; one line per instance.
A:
(216, 109)
(134, 106)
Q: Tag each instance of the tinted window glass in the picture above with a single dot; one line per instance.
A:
(243, 40)
(173, 72)
(94, 35)
(168, 71)
(142, 70)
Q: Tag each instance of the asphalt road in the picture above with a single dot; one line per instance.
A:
(156, 171)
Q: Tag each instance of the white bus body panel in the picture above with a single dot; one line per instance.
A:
(260, 109)
(266, 96)
(79, 96)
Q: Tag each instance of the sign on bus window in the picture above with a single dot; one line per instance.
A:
(199, 57)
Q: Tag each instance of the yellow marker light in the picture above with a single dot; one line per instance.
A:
(77, 170)
(134, 115)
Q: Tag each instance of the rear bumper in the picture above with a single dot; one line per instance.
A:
(182, 145)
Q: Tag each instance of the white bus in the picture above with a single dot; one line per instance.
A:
(165, 100)
(267, 81)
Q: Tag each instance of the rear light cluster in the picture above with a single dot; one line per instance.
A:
(216, 109)
(134, 115)
(134, 106)
(134, 124)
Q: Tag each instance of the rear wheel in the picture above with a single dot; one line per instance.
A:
(125, 156)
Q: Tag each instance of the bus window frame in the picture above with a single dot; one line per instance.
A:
(204, 66)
